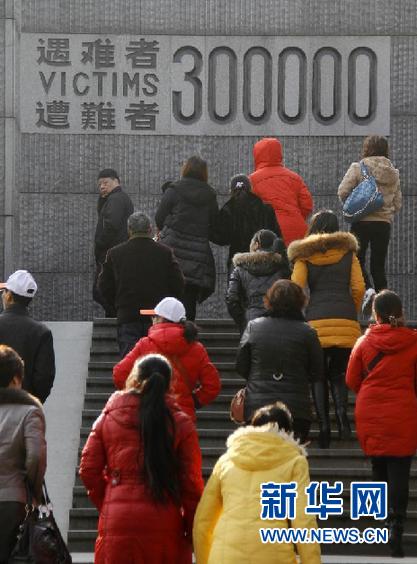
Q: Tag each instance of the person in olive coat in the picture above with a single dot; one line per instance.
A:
(280, 357)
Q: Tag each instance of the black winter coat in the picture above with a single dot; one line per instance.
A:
(239, 219)
(136, 275)
(113, 212)
(33, 341)
(280, 358)
(253, 275)
(185, 216)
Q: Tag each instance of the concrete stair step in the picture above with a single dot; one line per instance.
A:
(344, 461)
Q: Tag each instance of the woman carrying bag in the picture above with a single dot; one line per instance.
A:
(22, 449)
(382, 371)
(374, 229)
(280, 357)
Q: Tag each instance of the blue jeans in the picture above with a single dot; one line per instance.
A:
(128, 334)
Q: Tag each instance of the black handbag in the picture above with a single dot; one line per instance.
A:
(39, 540)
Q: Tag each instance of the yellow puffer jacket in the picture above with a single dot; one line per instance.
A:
(228, 518)
(322, 249)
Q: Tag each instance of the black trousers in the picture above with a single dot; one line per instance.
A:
(12, 514)
(301, 429)
(190, 299)
(377, 235)
(128, 334)
(109, 311)
(335, 361)
(395, 470)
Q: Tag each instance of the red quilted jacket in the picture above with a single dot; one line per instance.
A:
(202, 383)
(132, 527)
(386, 402)
(282, 188)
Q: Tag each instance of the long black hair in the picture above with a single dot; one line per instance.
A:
(156, 426)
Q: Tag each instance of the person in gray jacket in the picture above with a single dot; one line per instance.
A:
(22, 448)
(281, 358)
(253, 274)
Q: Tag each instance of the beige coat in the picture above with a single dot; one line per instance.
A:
(22, 445)
(388, 180)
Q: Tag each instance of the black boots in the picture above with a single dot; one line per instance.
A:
(340, 398)
(395, 534)
(321, 402)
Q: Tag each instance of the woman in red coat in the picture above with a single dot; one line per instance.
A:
(141, 466)
(382, 370)
(282, 188)
(195, 379)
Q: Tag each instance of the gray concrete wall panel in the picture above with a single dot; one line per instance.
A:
(56, 174)
(280, 17)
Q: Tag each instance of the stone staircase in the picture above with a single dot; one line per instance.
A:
(343, 461)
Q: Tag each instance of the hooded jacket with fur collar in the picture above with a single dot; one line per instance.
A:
(326, 264)
(388, 180)
(227, 521)
(253, 275)
(22, 445)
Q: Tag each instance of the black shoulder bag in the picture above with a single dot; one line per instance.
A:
(39, 540)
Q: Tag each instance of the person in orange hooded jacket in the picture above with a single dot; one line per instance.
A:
(282, 188)
(195, 379)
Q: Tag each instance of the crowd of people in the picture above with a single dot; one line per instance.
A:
(296, 288)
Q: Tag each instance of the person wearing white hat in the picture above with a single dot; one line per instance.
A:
(31, 339)
(195, 380)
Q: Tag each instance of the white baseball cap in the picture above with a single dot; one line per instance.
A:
(21, 283)
(168, 308)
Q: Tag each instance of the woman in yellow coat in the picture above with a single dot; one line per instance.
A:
(228, 519)
(325, 262)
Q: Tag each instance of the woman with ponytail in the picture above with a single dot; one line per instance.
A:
(382, 371)
(195, 380)
(141, 466)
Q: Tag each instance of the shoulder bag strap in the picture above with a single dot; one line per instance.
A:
(364, 169)
(377, 358)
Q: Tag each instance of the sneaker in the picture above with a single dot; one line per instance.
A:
(368, 300)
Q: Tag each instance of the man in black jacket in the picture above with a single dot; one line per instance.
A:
(31, 339)
(136, 275)
(114, 207)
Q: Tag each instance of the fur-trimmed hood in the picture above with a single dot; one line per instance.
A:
(321, 243)
(260, 448)
(259, 263)
(18, 397)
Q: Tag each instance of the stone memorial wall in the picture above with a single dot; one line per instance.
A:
(140, 85)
